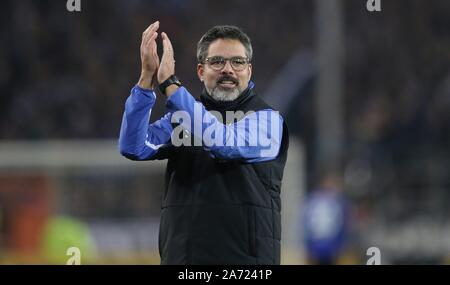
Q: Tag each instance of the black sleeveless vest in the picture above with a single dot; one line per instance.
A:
(221, 211)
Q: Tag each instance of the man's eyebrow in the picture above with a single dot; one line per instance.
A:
(226, 57)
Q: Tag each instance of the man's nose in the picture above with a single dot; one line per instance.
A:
(227, 69)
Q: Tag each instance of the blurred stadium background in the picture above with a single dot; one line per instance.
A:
(366, 97)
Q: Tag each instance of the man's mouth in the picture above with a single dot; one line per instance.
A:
(227, 82)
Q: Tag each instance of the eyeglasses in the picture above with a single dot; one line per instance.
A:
(217, 63)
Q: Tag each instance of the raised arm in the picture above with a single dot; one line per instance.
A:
(138, 139)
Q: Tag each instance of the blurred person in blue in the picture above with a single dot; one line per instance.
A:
(221, 203)
(325, 222)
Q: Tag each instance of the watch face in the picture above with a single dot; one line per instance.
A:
(175, 80)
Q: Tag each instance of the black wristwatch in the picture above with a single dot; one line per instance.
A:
(169, 81)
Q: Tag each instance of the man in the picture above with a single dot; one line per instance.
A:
(221, 203)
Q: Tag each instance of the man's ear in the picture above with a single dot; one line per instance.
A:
(250, 71)
(200, 71)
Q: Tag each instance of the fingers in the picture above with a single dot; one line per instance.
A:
(151, 41)
(167, 45)
(167, 56)
(149, 52)
(167, 65)
(149, 31)
(152, 28)
(149, 48)
(154, 48)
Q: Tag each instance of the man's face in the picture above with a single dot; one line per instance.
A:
(225, 84)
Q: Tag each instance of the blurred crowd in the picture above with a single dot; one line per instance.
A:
(67, 75)
(397, 107)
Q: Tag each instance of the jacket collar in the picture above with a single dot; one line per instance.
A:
(222, 106)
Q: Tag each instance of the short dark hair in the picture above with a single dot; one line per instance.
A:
(223, 32)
